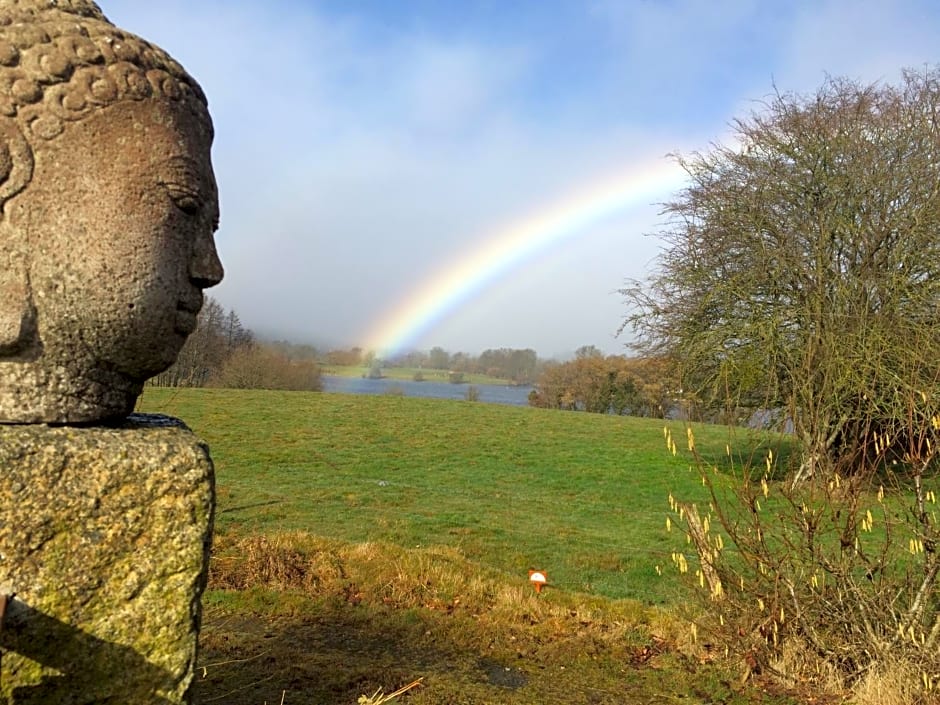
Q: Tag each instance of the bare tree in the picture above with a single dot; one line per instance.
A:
(802, 263)
(219, 333)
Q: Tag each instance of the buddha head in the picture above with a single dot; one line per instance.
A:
(108, 206)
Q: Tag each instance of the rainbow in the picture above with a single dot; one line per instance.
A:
(510, 246)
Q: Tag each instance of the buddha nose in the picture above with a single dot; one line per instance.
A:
(205, 268)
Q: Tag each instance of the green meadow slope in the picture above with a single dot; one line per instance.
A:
(582, 496)
(367, 542)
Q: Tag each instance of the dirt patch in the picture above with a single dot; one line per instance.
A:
(334, 652)
(315, 621)
(503, 676)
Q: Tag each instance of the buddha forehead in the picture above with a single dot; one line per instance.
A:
(62, 59)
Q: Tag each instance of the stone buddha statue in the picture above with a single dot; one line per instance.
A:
(108, 206)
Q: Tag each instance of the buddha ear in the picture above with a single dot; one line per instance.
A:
(17, 315)
(16, 161)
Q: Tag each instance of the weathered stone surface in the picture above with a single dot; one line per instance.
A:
(108, 206)
(104, 537)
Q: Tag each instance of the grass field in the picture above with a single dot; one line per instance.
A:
(582, 496)
(368, 541)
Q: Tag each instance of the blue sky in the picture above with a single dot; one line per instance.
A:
(363, 146)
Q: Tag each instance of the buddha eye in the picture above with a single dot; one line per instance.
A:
(185, 199)
(188, 204)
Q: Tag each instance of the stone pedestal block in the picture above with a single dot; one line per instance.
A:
(104, 539)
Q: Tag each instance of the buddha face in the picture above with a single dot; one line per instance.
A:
(120, 215)
(118, 219)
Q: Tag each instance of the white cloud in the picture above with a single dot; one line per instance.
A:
(357, 154)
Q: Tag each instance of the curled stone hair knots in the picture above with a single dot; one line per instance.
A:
(59, 61)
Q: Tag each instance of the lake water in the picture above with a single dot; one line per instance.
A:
(489, 393)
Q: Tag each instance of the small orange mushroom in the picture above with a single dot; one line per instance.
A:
(539, 579)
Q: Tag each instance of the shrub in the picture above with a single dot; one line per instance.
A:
(260, 367)
(827, 581)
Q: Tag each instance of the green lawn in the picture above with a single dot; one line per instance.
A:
(367, 541)
(582, 496)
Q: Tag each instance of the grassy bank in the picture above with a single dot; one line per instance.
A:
(582, 496)
(363, 542)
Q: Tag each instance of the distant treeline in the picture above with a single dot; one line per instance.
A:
(221, 352)
(611, 384)
(513, 365)
(224, 353)
(592, 382)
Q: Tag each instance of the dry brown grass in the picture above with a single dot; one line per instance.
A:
(333, 621)
(438, 579)
(275, 561)
(893, 684)
(296, 603)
